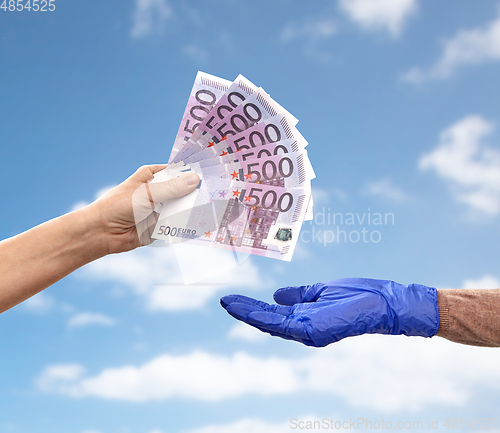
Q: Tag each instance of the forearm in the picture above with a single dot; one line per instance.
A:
(33, 260)
(470, 316)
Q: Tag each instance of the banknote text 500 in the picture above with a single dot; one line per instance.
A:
(264, 203)
(272, 173)
(205, 108)
(173, 231)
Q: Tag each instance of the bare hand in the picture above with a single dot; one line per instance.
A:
(126, 212)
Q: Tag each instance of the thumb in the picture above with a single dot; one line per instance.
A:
(298, 294)
(177, 187)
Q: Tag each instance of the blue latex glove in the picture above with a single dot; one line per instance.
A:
(323, 313)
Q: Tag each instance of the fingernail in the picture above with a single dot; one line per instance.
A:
(191, 179)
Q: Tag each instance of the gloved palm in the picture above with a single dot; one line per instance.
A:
(323, 313)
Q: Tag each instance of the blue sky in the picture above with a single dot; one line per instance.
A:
(399, 103)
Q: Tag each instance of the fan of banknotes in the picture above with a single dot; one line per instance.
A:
(255, 189)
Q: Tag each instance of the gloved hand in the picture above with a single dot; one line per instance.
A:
(323, 313)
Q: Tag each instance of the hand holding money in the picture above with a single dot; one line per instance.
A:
(119, 221)
(255, 189)
(126, 211)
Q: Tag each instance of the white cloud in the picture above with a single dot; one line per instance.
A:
(311, 33)
(386, 189)
(241, 331)
(39, 303)
(247, 425)
(388, 15)
(252, 425)
(195, 376)
(155, 274)
(86, 319)
(82, 203)
(310, 29)
(486, 282)
(471, 168)
(196, 53)
(43, 303)
(58, 374)
(79, 205)
(103, 191)
(417, 374)
(322, 197)
(467, 47)
(149, 17)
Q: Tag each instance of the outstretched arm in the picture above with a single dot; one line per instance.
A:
(324, 313)
(119, 221)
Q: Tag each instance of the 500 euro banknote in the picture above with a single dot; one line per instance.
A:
(258, 107)
(237, 93)
(246, 151)
(233, 215)
(274, 130)
(292, 170)
(206, 92)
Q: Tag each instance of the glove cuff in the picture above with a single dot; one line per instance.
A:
(417, 311)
